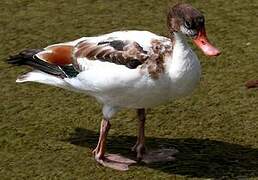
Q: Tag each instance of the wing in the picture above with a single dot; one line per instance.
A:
(122, 52)
(127, 48)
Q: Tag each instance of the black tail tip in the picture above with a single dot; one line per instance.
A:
(15, 59)
(23, 56)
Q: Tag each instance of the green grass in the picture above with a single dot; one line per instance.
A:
(48, 133)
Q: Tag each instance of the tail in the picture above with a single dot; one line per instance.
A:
(28, 57)
(44, 78)
(45, 71)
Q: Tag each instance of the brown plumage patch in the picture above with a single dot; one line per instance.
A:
(155, 62)
(125, 53)
(59, 55)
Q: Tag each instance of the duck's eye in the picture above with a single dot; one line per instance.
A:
(200, 20)
(187, 24)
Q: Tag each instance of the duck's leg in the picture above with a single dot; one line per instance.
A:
(99, 151)
(161, 155)
(109, 160)
(139, 147)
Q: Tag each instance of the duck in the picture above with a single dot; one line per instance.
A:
(134, 69)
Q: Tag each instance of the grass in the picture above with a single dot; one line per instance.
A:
(48, 133)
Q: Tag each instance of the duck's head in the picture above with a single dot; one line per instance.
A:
(190, 22)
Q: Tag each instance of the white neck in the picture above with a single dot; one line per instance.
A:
(183, 66)
(181, 49)
(180, 39)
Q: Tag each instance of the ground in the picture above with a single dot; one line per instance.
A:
(49, 133)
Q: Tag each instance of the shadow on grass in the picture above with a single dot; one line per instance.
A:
(202, 158)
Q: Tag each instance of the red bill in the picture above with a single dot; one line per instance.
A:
(203, 43)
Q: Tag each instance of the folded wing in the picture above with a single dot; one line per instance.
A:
(127, 53)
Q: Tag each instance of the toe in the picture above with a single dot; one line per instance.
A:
(114, 161)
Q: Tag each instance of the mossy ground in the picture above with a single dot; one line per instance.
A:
(48, 133)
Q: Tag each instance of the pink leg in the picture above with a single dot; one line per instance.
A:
(139, 147)
(161, 155)
(99, 151)
(109, 160)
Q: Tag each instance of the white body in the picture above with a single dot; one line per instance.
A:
(118, 86)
